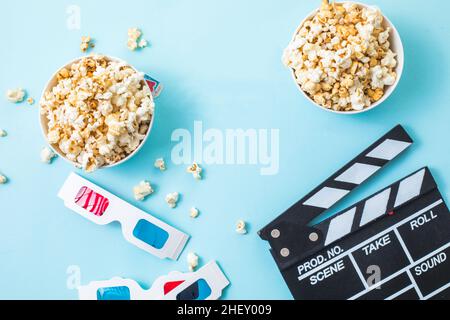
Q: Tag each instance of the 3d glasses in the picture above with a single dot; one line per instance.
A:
(139, 228)
(205, 284)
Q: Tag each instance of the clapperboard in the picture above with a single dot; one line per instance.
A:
(394, 244)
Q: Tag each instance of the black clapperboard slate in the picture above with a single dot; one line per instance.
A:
(394, 244)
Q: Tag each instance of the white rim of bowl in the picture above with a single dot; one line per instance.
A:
(399, 69)
(58, 152)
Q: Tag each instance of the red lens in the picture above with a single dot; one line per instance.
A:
(92, 201)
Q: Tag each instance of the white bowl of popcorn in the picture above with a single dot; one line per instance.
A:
(96, 112)
(346, 58)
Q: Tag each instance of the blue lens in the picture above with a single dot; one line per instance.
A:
(150, 234)
(113, 293)
(199, 290)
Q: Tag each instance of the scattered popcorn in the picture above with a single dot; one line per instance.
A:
(15, 95)
(86, 44)
(30, 101)
(342, 57)
(241, 227)
(172, 199)
(160, 164)
(99, 111)
(47, 155)
(196, 171)
(3, 179)
(192, 260)
(134, 39)
(194, 213)
(3, 133)
(142, 190)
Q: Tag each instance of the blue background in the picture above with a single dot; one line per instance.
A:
(220, 63)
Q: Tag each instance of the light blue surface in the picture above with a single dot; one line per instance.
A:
(220, 63)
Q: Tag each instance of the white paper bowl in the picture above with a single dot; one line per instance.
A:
(44, 122)
(396, 47)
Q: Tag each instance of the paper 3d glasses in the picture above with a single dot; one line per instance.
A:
(138, 227)
(205, 284)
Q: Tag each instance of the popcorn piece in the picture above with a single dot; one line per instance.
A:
(98, 112)
(3, 179)
(375, 95)
(134, 33)
(142, 190)
(160, 164)
(241, 227)
(341, 57)
(381, 77)
(47, 155)
(359, 100)
(192, 260)
(84, 46)
(30, 101)
(15, 95)
(135, 40)
(3, 133)
(389, 60)
(143, 43)
(86, 43)
(53, 136)
(194, 213)
(383, 37)
(132, 44)
(172, 199)
(195, 170)
(63, 74)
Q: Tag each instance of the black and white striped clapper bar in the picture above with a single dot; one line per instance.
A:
(394, 244)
